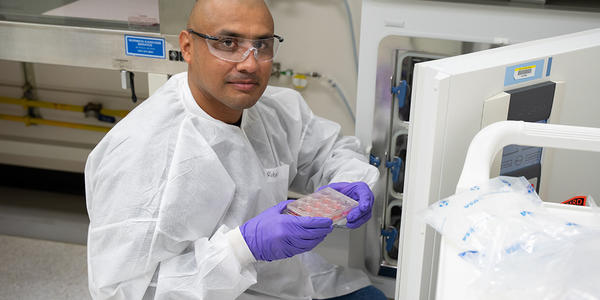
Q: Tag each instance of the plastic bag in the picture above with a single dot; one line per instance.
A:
(520, 248)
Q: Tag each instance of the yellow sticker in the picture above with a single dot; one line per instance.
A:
(524, 72)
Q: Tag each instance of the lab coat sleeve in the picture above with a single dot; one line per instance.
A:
(148, 215)
(325, 156)
(216, 269)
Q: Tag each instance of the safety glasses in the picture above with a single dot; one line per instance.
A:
(236, 49)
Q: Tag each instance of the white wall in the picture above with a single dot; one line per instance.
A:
(318, 39)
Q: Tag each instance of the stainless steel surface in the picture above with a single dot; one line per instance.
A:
(382, 120)
(174, 15)
(82, 47)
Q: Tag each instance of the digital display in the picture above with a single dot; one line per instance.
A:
(522, 160)
(517, 157)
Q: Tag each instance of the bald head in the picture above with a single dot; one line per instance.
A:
(206, 13)
(221, 87)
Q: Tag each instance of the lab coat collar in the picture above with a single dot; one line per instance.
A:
(192, 106)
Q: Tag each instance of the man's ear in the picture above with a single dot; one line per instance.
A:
(185, 44)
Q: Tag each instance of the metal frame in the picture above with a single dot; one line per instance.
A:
(81, 47)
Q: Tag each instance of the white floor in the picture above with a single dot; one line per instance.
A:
(42, 245)
(38, 269)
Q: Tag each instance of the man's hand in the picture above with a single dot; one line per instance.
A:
(272, 235)
(360, 192)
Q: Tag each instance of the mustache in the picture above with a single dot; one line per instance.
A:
(242, 77)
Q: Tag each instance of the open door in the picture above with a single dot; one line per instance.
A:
(552, 80)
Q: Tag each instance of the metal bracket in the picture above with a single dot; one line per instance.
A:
(29, 89)
(374, 160)
(400, 92)
(390, 236)
(276, 70)
(94, 110)
(131, 84)
(395, 165)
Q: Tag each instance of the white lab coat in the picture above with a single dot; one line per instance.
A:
(169, 185)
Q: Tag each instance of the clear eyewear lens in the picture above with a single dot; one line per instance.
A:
(235, 49)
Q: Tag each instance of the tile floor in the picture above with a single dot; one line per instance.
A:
(42, 245)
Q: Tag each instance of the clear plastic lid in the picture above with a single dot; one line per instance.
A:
(327, 203)
(137, 15)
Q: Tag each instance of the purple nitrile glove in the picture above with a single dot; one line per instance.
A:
(360, 192)
(272, 235)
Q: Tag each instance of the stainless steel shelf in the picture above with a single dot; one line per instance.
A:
(81, 47)
(91, 33)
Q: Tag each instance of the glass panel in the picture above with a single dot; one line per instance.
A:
(395, 220)
(400, 151)
(137, 15)
(407, 69)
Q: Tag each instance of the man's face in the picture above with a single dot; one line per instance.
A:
(224, 88)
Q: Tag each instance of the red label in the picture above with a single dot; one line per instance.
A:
(577, 200)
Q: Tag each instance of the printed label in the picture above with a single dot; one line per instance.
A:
(273, 173)
(144, 46)
(577, 200)
(276, 174)
(524, 72)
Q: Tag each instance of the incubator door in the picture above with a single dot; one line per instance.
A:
(392, 136)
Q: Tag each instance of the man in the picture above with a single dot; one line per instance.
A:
(185, 195)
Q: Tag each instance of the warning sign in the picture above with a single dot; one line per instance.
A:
(577, 200)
